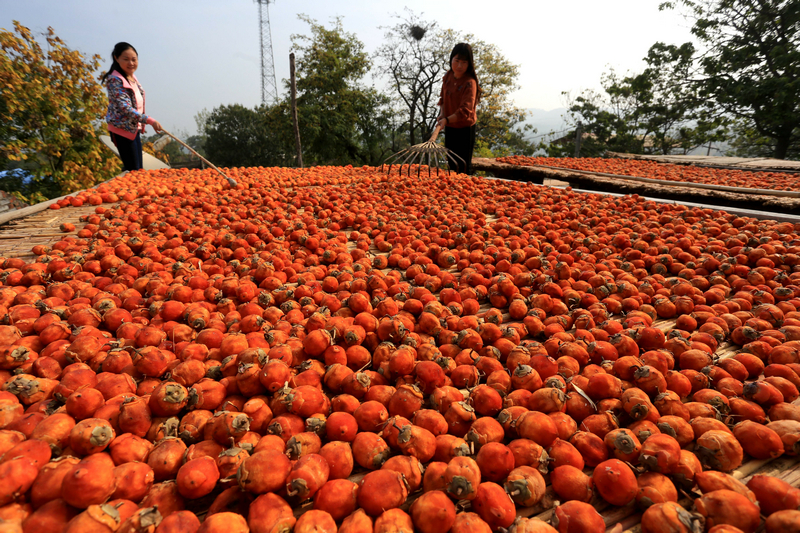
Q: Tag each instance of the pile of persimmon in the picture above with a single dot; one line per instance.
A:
(334, 349)
(749, 179)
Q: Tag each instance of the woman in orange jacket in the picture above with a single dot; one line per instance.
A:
(459, 98)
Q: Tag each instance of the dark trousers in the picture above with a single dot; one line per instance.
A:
(130, 150)
(462, 142)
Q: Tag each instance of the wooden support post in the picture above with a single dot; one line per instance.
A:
(578, 138)
(294, 112)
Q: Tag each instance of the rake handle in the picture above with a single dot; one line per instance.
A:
(435, 133)
(203, 159)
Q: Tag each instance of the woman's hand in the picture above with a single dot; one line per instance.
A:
(157, 126)
(440, 124)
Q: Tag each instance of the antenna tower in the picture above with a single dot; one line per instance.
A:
(269, 87)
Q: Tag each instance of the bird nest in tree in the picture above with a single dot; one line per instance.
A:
(417, 32)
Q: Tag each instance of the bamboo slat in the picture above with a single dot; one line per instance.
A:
(18, 237)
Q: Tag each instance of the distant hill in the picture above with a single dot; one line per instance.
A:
(546, 121)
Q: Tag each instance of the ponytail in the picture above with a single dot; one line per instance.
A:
(119, 48)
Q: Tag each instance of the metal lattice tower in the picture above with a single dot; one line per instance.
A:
(269, 87)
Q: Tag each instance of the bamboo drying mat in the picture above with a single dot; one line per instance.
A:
(18, 237)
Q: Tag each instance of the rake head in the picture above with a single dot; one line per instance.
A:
(428, 153)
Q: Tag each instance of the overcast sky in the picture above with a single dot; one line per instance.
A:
(196, 54)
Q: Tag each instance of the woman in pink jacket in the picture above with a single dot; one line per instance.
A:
(125, 117)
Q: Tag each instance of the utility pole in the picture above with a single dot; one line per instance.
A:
(269, 87)
(578, 138)
(294, 112)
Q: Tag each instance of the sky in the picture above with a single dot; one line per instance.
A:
(200, 54)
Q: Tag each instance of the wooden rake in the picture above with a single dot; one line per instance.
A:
(160, 143)
(429, 153)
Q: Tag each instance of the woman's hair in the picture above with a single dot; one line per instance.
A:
(119, 48)
(464, 51)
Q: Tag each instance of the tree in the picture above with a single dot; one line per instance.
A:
(238, 136)
(669, 109)
(750, 68)
(654, 111)
(22, 185)
(340, 118)
(198, 140)
(416, 56)
(500, 129)
(49, 109)
(746, 141)
(605, 120)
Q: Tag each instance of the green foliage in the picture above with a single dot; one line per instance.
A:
(198, 142)
(414, 58)
(232, 136)
(606, 121)
(415, 68)
(341, 121)
(49, 109)
(500, 125)
(239, 136)
(200, 119)
(27, 187)
(746, 141)
(669, 110)
(656, 111)
(750, 68)
(340, 118)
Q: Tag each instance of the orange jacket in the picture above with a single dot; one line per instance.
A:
(459, 98)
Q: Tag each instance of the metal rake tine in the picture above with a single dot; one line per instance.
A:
(394, 157)
(432, 152)
(410, 158)
(420, 161)
(429, 163)
(449, 158)
(436, 162)
(455, 156)
(401, 158)
(429, 154)
(391, 160)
